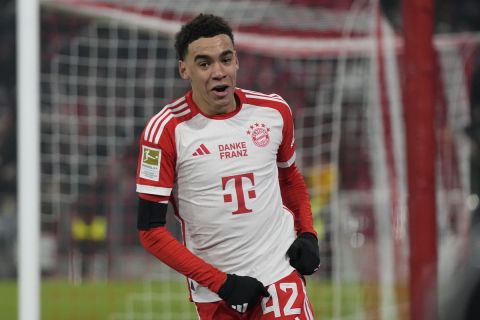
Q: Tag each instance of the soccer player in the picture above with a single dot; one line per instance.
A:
(224, 158)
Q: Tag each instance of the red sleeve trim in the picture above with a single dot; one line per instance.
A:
(296, 198)
(163, 245)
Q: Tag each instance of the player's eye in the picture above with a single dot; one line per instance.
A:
(203, 64)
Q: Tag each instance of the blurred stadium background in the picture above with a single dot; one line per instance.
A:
(106, 66)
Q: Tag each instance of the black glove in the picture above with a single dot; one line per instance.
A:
(304, 254)
(241, 291)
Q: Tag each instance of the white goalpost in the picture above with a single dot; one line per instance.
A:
(28, 155)
(107, 66)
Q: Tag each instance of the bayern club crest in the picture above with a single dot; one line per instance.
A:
(260, 134)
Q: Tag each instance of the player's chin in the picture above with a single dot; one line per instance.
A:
(224, 100)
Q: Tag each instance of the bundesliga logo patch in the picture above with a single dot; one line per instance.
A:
(150, 166)
(260, 134)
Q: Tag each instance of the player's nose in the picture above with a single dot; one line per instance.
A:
(218, 72)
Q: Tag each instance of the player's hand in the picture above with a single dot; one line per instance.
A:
(242, 291)
(304, 254)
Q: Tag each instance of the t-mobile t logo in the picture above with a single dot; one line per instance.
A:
(239, 181)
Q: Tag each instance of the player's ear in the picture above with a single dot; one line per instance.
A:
(182, 69)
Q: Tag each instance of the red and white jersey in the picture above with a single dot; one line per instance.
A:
(221, 174)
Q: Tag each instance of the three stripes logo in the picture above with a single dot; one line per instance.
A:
(202, 150)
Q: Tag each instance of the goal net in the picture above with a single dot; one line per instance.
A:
(107, 66)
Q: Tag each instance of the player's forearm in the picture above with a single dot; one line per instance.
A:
(295, 197)
(160, 243)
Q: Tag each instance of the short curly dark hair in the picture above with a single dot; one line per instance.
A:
(202, 26)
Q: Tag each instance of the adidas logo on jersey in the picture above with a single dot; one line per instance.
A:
(202, 150)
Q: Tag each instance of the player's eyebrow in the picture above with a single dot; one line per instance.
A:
(226, 53)
(207, 57)
(201, 57)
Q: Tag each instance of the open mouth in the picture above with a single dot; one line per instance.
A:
(220, 88)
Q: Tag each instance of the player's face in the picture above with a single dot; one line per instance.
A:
(211, 65)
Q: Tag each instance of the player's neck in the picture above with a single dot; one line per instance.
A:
(214, 109)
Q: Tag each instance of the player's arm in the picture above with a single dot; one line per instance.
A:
(155, 178)
(239, 291)
(296, 198)
(304, 251)
(157, 240)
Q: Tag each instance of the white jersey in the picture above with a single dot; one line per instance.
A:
(221, 174)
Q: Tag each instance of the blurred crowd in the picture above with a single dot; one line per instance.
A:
(7, 137)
